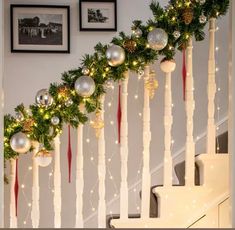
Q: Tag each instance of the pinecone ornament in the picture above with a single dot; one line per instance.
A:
(188, 15)
(28, 125)
(63, 91)
(130, 46)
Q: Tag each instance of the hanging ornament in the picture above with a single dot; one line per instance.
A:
(20, 143)
(68, 102)
(19, 116)
(188, 15)
(157, 39)
(16, 187)
(167, 66)
(109, 84)
(115, 55)
(69, 153)
(176, 34)
(119, 113)
(55, 120)
(137, 32)
(85, 71)
(130, 45)
(28, 125)
(43, 158)
(184, 73)
(141, 72)
(85, 86)
(63, 91)
(202, 19)
(151, 84)
(43, 98)
(97, 124)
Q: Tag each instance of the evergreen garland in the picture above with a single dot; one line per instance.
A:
(36, 122)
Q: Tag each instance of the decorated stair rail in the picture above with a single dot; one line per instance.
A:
(13, 217)
(211, 91)
(168, 67)
(79, 176)
(189, 106)
(124, 149)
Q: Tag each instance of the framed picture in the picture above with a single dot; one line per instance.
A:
(40, 28)
(98, 15)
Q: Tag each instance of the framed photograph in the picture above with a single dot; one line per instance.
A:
(98, 15)
(40, 28)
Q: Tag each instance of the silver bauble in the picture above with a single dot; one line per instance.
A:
(20, 143)
(157, 39)
(19, 116)
(137, 33)
(202, 19)
(115, 55)
(85, 86)
(85, 71)
(55, 120)
(43, 98)
(68, 102)
(176, 34)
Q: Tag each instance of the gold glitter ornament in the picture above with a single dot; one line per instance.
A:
(151, 84)
(130, 45)
(97, 124)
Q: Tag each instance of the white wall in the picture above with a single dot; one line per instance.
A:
(27, 73)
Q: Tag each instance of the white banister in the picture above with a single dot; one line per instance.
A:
(124, 150)
(211, 91)
(79, 176)
(167, 67)
(57, 184)
(35, 212)
(190, 106)
(146, 176)
(101, 171)
(13, 218)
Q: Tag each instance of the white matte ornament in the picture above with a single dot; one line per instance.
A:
(157, 39)
(43, 158)
(19, 116)
(168, 66)
(20, 143)
(176, 34)
(115, 55)
(55, 120)
(43, 98)
(202, 19)
(137, 33)
(85, 86)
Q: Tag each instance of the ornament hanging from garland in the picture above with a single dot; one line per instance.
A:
(85, 71)
(85, 86)
(115, 55)
(130, 45)
(137, 32)
(43, 158)
(68, 102)
(43, 98)
(20, 143)
(202, 19)
(63, 92)
(157, 39)
(55, 120)
(151, 84)
(176, 34)
(188, 15)
(28, 125)
(97, 124)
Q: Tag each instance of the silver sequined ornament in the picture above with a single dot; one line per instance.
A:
(68, 102)
(137, 33)
(157, 39)
(19, 116)
(85, 71)
(55, 120)
(85, 86)
(20, 143)
(43, 98)
(115, 55)
(176, 34)
(202, 19)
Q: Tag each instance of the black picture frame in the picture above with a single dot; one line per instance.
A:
(94, 25)
(40, 28)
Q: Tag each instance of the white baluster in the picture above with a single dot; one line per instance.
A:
(146, 176)
(190, 106)
(13, 218)
(211, 90)
(167, 67)
(101, 172)
(79, 176)
(35, 212)
(57, 184)
(124, 150)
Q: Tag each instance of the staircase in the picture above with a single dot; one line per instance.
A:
(202, 205)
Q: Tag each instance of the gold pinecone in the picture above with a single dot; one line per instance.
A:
(63, 91)
(28, 125)
(188, 15)
(130, 45)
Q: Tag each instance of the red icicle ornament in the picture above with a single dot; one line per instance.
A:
(69, 153)
(119, 114)
(16, 188)
(184, 74)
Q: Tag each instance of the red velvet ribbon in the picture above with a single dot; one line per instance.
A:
(119, 114)
(16, 188)
(69, 153)
(184, 74)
